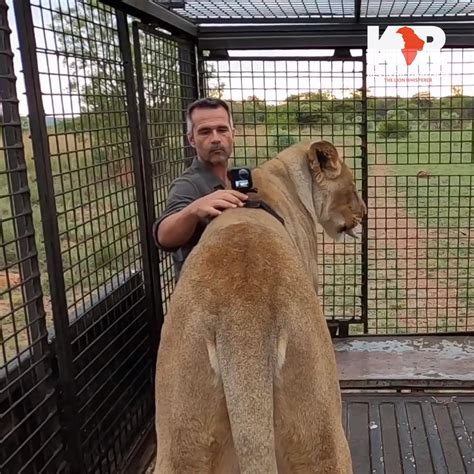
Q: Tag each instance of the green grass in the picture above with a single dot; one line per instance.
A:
(424, 148)
(440, 202)
(98, 222)
(98, 229)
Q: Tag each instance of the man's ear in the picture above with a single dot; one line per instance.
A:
(191, 139)
(324, 160)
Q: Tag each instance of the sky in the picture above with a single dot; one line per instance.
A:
(271, 80)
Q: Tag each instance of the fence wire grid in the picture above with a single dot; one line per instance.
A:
(83, 288)
(411, 148)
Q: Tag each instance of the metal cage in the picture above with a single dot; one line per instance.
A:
(84, 289)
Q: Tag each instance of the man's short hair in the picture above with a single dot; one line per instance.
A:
(206, 103)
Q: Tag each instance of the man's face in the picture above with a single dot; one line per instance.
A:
(212, 135)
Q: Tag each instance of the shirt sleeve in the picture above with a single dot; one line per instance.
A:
(182, 192)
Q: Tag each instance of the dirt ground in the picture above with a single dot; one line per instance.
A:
(409, 254)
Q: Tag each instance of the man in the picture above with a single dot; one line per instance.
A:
(200, 193)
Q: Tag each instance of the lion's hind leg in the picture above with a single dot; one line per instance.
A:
(309, 433)
(194, 447)
(192, 424)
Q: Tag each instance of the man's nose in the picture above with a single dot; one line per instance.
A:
(215, 137)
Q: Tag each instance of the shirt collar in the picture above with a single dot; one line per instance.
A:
(215, 181)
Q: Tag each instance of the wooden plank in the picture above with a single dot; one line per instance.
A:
(404, 435)
(410, 433)
(467, 412)
(419, 438)
(462, 435)
(448, 440)
(401, 360)
(358, 435)
(377, 460)
(391, 443)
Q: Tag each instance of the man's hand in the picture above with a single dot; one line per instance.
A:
(178, 228)
(215, 203)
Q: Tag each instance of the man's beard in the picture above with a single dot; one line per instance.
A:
(218, 158)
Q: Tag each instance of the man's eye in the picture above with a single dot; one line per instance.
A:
(223, 130)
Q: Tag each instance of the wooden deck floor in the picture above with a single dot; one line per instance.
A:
(408, 433)
(395, 434)
(406, 361)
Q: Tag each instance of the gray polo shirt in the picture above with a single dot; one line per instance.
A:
(196, 181)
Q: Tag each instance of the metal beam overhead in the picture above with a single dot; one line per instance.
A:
(150, 12)
(308, 36)
(399, 20)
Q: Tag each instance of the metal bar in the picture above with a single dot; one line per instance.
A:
(357, 10)
(401, 384)
(304, 27)
(149, 11)
(144, 187)
(346, 22)
(171, 3)
(70, 418)
(153, 30)
(263, 57)
(365, 197)
(308, 36)
(148, 180)
(21, 202)
(276, 21)
(201, 67)
(186, 67)
(472, 136)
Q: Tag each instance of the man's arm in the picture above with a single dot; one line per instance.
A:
(176, 225)
(185, 209)
(176, 229)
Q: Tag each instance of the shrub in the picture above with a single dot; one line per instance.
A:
(283, 139)
(396, 125)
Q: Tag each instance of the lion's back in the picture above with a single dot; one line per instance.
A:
(247, 264)
(249, 252)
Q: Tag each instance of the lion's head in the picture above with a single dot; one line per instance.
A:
(326, 185)
(338, 206)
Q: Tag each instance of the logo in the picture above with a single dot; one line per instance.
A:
(416, 46)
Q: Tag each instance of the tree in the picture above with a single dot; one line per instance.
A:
(423, 99)
(91, 56)
(214, 87)
(87, 38)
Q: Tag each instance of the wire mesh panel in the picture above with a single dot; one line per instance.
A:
(95, 205)
(324, 10)
(224, 10)
(30, 432)
(421, 166)
(278, 101)
(417, 9)
(166, 78)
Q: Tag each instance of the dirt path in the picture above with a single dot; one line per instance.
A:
(410, 286)
(14, 332)
(407, 268)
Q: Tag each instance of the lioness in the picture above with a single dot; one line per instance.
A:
(246, 372)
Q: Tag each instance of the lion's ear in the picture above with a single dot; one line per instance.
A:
(324, 159)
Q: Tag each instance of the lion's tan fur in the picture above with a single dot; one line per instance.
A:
(246, 372)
